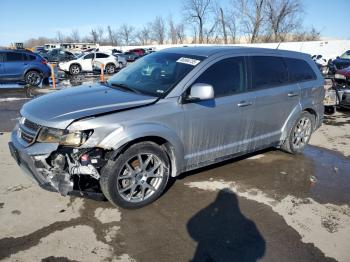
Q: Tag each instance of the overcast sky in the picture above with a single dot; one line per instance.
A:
(20, 19)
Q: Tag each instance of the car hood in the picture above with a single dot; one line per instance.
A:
(60, 108)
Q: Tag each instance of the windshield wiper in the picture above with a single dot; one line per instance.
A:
(125, 87)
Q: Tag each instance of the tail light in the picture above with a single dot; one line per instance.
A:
(44, 62)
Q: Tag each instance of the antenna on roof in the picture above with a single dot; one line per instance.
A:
(278, 45)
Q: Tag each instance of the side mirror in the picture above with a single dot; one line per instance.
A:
(201, 92)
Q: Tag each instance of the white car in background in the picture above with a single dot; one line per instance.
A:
(87, 63)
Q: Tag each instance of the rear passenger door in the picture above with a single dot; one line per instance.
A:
(102, 58)
(275, 97)
(221, 126)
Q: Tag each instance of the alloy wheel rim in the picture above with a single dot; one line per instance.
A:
(75, 69)
(301, 133)
(33, 79)
(140, 177)
(110, 69)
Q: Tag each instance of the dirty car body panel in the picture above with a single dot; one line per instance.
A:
(193, 133)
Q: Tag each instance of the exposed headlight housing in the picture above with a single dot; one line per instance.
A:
(63, 137)
(339, 76)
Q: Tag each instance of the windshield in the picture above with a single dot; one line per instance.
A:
(155, 74)
(346, 55)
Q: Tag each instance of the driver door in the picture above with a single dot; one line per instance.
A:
(221, 126)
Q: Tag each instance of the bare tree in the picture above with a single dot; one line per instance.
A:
(94, 35)
(282, 17)
(251, 14)
(210, 33)
(158, 30)
(197, 11)
(226, 23)
(60, 37)
(100, 33)
(173, 36)
(75, 36)
(112, 36)
(126, 34)
(144, 35)
(180, 31)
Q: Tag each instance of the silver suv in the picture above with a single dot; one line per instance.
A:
(170, 112)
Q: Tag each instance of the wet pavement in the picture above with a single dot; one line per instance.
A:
(267, 206)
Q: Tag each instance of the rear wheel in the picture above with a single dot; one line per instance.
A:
(33, 78)
(300, 134)
(137, 177)
(75, 69)
(111, 69)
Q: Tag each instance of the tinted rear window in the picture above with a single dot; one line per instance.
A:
(14, 57)
(268, 71)
(299, 70)
(100, 55)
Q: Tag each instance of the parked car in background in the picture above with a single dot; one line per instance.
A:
(57, 55)
(85, 63)
(121, 60)
(343, 76)
(340, 62)
(22, 67)
(131, 56)
(127, 137)
(38, 49)
(138, 51)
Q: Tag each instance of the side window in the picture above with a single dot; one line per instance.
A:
(89, 56)
(31, 57)
(226, 76)
(100, 55)
(299, 70)
(14, 57)
(268, 71)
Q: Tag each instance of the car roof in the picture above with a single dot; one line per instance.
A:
(207, 51)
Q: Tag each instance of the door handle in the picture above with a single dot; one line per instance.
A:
(292, 94)
(244, 103)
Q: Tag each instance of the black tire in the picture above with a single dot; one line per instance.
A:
(75, 69)
(33, 78)
(289, 144)
(111, 69)
(330, 110)
(112, 181)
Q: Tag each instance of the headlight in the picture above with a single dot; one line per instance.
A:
(63, 137)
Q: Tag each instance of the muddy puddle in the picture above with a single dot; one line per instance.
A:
(318, 173)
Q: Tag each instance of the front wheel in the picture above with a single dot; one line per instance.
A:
(33, 78)
(137, 177)
(300, 134)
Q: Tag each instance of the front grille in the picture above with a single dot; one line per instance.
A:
(31, 125)
(28, 138)
(28, 130)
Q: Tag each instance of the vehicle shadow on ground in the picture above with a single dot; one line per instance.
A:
(223, 233)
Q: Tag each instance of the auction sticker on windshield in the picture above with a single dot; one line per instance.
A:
(188, 61)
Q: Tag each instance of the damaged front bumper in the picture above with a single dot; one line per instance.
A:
(50, 167)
